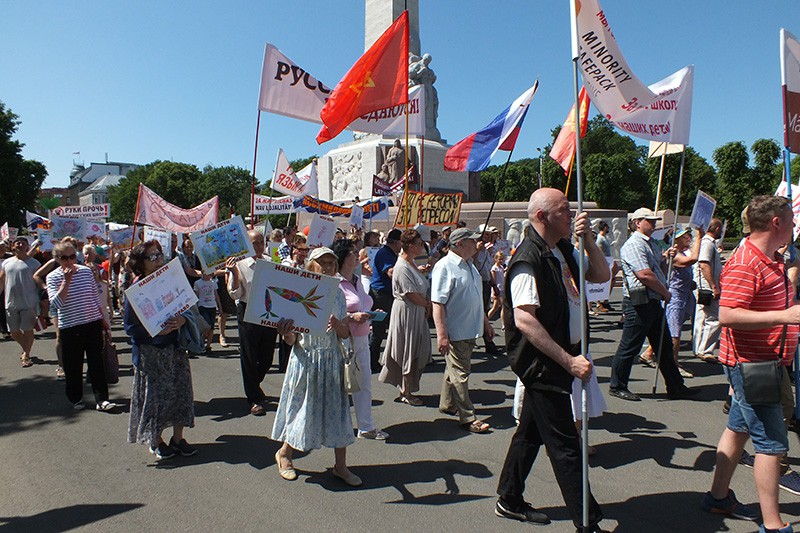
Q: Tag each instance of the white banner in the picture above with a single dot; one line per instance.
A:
(392, 120)
(95, 228)
(321, 231)
(215, 244)
(782, 191)
(272, 205)
(280, 291)
(599, 292)
(287, 89)
(160, 296)
(357, 216)
(67, 227)
(657, 149)
(284, 179)
(660, 112)
(703, 211)
(82, 211)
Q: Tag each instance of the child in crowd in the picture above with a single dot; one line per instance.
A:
(498, 273)
(208, 303)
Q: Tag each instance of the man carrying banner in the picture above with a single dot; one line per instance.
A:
(256, 342)
(543, 336)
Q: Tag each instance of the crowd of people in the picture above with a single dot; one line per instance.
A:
(395, 289)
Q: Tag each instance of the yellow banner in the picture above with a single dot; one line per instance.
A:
(431, 209)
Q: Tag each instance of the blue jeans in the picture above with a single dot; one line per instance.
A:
(764, 423)
(643, 321)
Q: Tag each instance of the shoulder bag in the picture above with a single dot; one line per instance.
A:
(351, 370)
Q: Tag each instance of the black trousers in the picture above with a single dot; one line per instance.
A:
(256, 349)
(384, 301)
(546, 418)
(75, 341)
(642, 321)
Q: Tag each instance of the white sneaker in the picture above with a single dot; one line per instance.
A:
(106, 406)
(375, 434)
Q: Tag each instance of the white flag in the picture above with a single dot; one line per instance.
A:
(308, 177)
(287, 89)
(661, 112)
(284, 179)
(658, 149)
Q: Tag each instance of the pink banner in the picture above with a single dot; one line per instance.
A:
(155, 211)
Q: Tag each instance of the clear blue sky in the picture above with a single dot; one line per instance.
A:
(179, 80)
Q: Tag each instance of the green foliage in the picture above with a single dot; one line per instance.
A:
(519, 181)
(183, 185)
(299, 164)
(49, 203)
(734, 189)
(21, 178)
(697, 175)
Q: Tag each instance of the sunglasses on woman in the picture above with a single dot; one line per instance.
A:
(154, 257)
(70, 257)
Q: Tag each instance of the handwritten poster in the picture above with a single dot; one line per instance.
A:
(280, 291)
(215, 244)
(160, 296)
(357, 216)
(430, 209)
(68, 227)
(703, 211)
(163, 237)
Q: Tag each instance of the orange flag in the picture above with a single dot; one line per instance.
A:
(379, 79)
(563, 150)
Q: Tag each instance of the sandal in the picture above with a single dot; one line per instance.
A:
(26, 362)
(411, 400)
(685, 373)
(646, 361)
(476, 427)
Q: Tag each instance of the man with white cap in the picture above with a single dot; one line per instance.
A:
(644, 286)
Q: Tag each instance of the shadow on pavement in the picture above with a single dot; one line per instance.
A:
(19, 414)
(66, 518)
(659, 448)
(401, 475)
(257, 451)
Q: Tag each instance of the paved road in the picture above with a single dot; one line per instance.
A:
(65, 470)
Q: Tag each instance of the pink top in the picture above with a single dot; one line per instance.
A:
(357, 301)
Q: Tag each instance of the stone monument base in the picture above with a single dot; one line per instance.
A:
(346, 171)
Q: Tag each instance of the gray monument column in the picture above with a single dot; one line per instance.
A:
(380, 14)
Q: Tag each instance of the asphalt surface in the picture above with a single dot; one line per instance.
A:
(63, 470)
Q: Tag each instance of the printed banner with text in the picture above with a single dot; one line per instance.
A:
(152, 210)
(271, 205)
(309, 204)
(82, 211)
(790, 76)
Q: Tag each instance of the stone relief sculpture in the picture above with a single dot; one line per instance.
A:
(395, 162)
(347, 176)
(420, 73)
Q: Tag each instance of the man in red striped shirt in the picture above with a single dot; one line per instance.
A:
(759, 324)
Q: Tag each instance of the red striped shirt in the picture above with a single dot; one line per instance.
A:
(750, 280)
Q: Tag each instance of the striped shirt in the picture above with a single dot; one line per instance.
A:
(82, 304)
(750, 280)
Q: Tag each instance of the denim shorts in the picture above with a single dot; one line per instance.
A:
(764, 423)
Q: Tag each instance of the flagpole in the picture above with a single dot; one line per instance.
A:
(497, 190)
(135, 214)
(660, 176)
(253, 181)
(581, 266)
(657, 350)
(422, 166)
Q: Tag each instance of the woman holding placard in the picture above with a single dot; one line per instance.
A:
(162, 381)
(314, 410)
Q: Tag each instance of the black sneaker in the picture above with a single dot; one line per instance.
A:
(182, 447)
(163, 451)
(523, 513)
(747, 460)
(624, 394)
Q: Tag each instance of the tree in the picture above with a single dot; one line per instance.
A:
(734, 189)
(21, 178)
(697, 175)
(177, 183)
(232, 185)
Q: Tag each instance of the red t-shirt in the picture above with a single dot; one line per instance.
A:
(750, 280)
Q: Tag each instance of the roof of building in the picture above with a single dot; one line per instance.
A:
(102, 184)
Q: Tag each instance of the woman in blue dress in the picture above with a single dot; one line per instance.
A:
(314, 410)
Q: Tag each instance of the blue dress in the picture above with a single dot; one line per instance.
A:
(314, 410)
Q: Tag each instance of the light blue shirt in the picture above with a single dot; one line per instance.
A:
(640, 253)
(457, 285)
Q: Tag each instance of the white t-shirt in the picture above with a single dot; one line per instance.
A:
(206, 293)
(524, 292)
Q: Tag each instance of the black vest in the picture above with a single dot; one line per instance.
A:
(534, 368)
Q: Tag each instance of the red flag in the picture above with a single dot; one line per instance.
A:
(379, 79)
(563, 150)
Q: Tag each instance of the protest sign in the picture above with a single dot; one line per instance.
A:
(357, 216)
(431, 209)
(215, 244)
(321, 231)
(280, 291)
(371, 252)
(284, 179)
(45, 239)
(122, 238)
(82, 211)
(309, 204)
(163, 237)
(599, 292)
(152, 210)
(4, 234)
(268, 205)
(68, 227)
(160, 296)
(95, 228)
(273, 251)
(703, 211)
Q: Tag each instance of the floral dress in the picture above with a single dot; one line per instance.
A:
(314, 410)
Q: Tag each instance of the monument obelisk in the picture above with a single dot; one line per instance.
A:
(346, 171)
